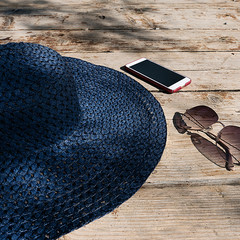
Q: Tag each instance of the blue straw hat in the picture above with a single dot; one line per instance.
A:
(77, 140)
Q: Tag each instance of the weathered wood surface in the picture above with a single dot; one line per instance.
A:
(209, 71)
(187, 196)
(120, 16)
(134, 40)
(171, 212)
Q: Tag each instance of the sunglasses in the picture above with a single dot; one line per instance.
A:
(227, 141)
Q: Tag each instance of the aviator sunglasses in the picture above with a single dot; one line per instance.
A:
(201, 118)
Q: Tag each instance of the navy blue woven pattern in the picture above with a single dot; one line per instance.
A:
(77, 140)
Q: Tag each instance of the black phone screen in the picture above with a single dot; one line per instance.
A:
(157, 73)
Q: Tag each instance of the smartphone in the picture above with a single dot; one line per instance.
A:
(157, 75)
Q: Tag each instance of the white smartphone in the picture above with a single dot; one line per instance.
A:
(157, 75)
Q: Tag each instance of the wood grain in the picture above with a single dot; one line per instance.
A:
(120, 15)
(172, 212)
(209, 71)
(115, 2)
(129, 41)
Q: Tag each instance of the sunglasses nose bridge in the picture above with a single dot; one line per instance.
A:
(209, 128)
(221, 123)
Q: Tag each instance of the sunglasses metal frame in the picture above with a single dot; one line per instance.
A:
(182, 128)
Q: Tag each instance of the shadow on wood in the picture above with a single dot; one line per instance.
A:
(102, 26)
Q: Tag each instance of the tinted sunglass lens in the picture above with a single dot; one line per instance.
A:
(200, 117)
(179, 123)
(230, 135)
(209, 150)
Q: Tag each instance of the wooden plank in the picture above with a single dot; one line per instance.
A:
(226, 103)
(209, 71)
(184, 61)
(115, 2)
(182, 213)
(116, 40)
(133, 16)
(204, 81)
(6, 3)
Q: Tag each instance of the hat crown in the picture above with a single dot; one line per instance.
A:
(38, 98)
(25, 68)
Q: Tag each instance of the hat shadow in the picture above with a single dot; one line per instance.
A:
(207, 148)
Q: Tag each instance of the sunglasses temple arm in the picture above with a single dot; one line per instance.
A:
(229, 162)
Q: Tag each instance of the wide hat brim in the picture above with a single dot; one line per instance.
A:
(113, 149)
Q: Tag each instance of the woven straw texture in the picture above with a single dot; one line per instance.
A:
(77, 140)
